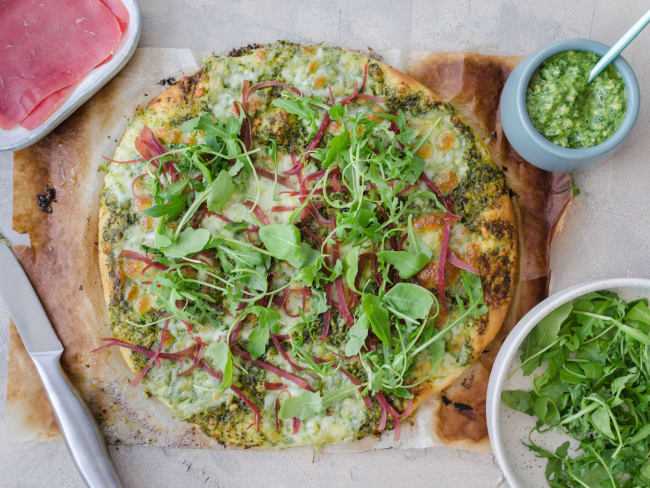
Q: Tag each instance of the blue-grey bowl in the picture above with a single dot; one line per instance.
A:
(533, 146)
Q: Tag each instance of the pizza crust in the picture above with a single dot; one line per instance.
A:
(104, 273)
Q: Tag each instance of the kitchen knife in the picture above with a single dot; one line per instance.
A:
(81, 434)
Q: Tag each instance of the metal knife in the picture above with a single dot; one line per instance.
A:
(80, 431)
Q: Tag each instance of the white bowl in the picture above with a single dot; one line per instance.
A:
(508, 428)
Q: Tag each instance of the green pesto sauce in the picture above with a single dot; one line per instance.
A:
(568, 111)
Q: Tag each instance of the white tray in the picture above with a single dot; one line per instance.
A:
(19, 137)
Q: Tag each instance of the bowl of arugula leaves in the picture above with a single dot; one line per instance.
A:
(568, 401)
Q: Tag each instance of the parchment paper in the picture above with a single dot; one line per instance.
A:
(62, 262)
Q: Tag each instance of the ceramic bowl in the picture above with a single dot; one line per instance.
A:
(533, 146)
(508, 428)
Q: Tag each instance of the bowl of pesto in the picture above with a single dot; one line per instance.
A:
(558, 122)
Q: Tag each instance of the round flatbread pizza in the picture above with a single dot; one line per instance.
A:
(299, 245)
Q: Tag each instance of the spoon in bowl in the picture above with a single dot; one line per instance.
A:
(621, 44)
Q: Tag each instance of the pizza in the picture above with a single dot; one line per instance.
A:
(299, 245)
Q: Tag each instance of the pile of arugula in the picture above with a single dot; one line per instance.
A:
(374, 155)
(595, 389)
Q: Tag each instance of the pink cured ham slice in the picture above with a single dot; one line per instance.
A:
(46, 46)
(121, 14)
(47, 107)
(51, 104)
(119, 11)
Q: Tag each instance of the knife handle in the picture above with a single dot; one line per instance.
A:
(80, 431)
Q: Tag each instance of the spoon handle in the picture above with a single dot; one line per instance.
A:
(621, 44)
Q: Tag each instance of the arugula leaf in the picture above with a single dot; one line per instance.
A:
(472, 285)
(563, 449)
(174, 189)
(297, 107)
(545, 332)
(645, 470)
(642, 434)
(189, 241)
(189, 125)
(639, 313)
(163, 236)
(318, 302)
(257, 341)
(308, 404)
(618, 384)
(415, 170)
(218, 353)
(546, 410)
(519, 400)
(302, 406)
(351, 268)
(199, 199)
(409, 300)
(436, 353)
(309, 264)
(337, 111)
(302, 108)
(270, 318)
(221, 189)
(236, 226)
(601, 420)
(406, 263)
(357, 336)
(172, 208)
(282, 241)
(378, 317)
(574, 188)
(336, 145)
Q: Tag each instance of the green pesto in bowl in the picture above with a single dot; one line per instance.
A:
(569, 112)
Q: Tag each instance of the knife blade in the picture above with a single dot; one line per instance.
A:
(79, 429)
(24, 306)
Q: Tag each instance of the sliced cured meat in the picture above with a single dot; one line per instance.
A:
(52, 102)
(119, 11)
(121, 14)
(47, 107)
(46, 46)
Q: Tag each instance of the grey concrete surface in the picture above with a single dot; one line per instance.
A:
(607, 232)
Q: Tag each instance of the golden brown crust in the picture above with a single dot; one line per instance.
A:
(181, 95)
(108, 284)
(498, 306)
(104, 254)
(403, 83)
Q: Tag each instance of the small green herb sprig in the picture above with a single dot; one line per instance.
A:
(595, 389)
